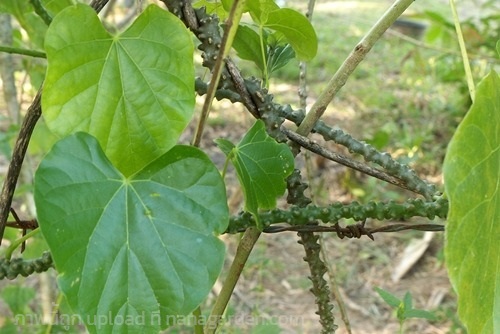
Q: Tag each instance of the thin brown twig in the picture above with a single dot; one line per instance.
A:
(348, 230)
(20, 148)
(343, 160)
(241, 88)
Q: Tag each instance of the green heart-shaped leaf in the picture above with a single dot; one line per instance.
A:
(141, 248)
(134, 92)
(472, 182)
(262, 165)
(297, 29)
(247, 45)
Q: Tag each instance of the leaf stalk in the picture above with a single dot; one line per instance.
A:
(245, 247)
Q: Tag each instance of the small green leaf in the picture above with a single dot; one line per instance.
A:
(259, 9)
(279, 56)
(225, 146)
(388, 297)
(472, 182)
(297, 29)
(413, 313)
(407, 301)
(134, 92)
(247, 45)
(143, 246)
(262, 166)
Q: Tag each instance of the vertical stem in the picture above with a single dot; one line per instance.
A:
(227, 40)
(303, 64)
(245, 247)
(20, 148)
(265, 74)
(312, 247)
(198, 328)
(357, 55)
(334, 286)
(463, 51)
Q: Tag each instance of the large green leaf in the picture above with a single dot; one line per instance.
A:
(297, 29)
(472, 182)
(247, 45)
(134, 92)
(262, 166)
(142, 247)
(259, 9)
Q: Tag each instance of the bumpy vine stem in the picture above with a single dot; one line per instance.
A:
(339, 158)
(320, 287)
(312, 248)
(333, 213)
(12, 268)
(206, 29)
(297, 217)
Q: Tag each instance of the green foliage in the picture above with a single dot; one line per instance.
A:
(472, 182)
(280, 34)
(404, 308)
(118, 88)
(247, 45)
(135, 246)
(262, 166)
(132, 220)
(297, 29)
